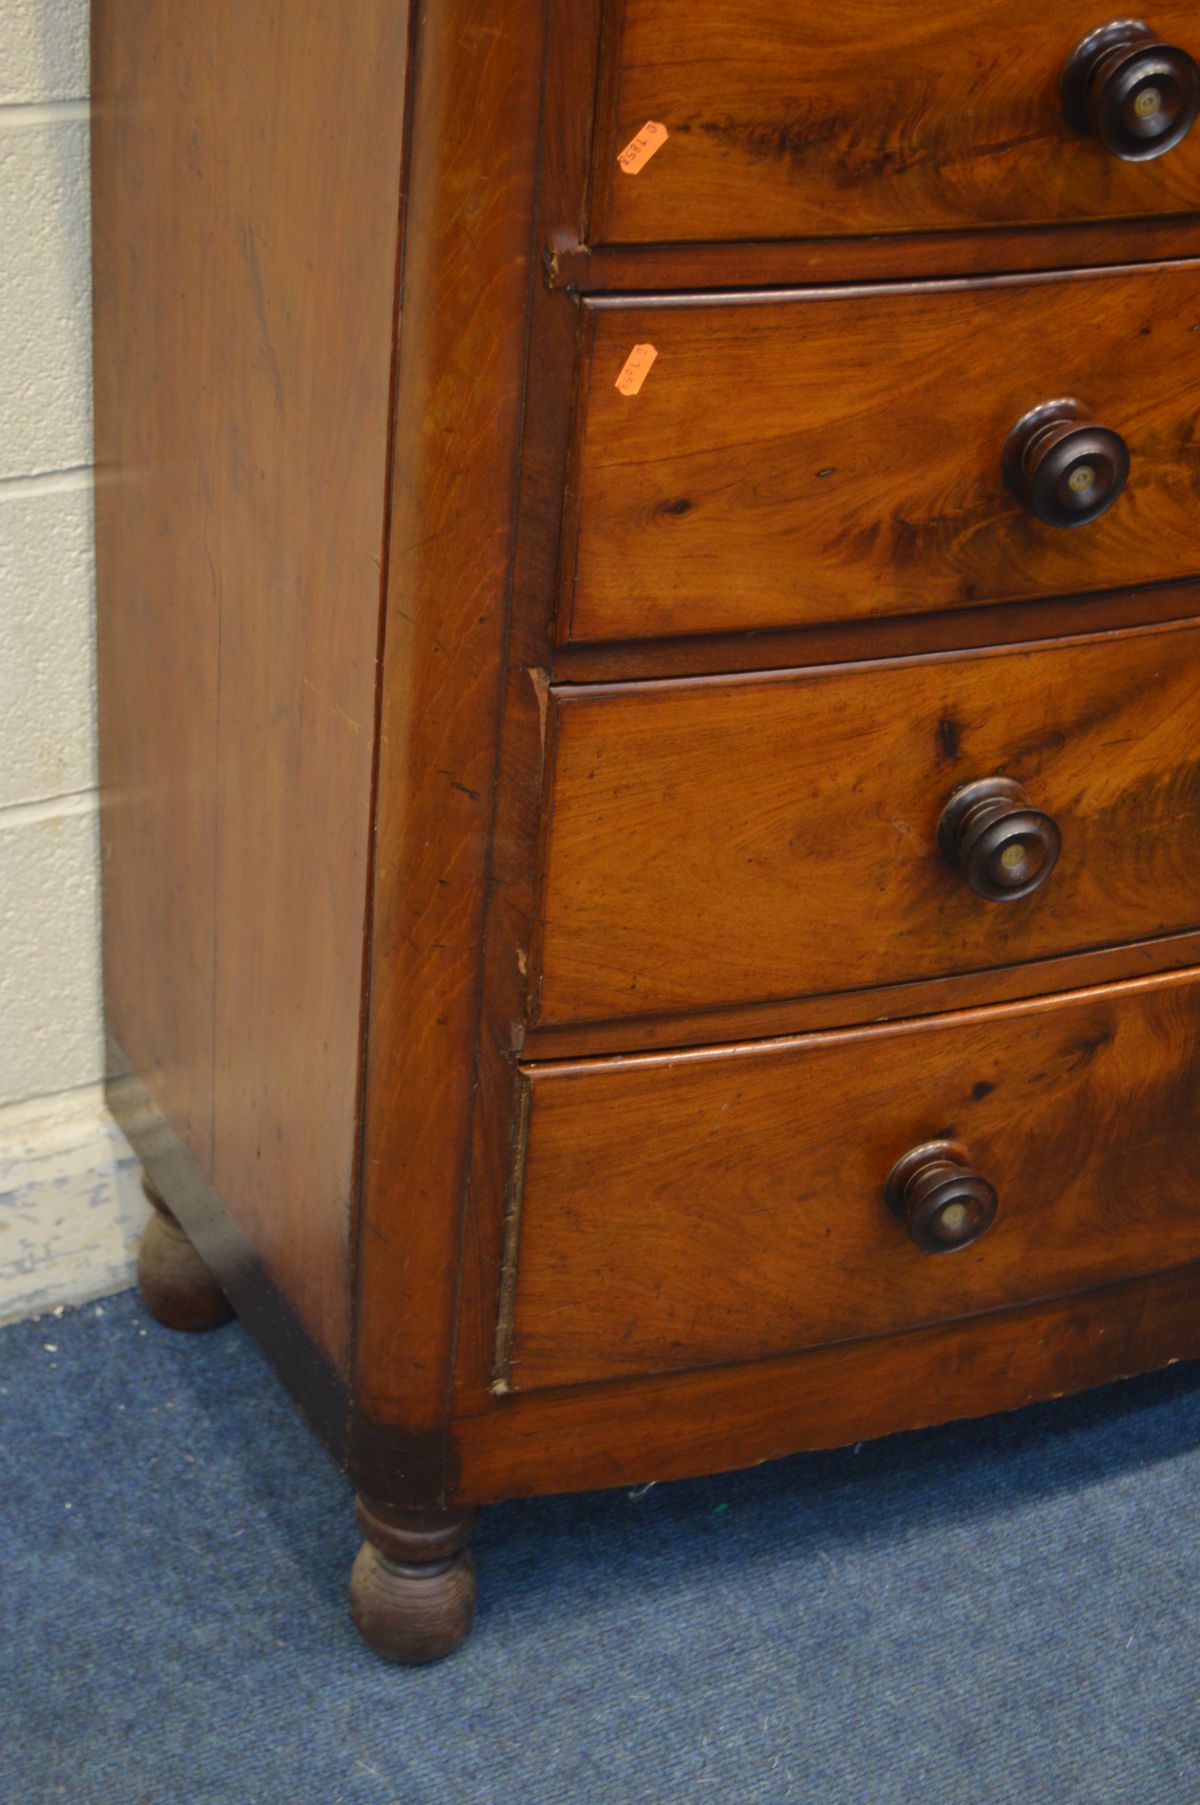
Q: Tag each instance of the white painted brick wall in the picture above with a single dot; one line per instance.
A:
(45, 409)
(49, 977)
(43, 50)
(69, 1208)
(47, 638)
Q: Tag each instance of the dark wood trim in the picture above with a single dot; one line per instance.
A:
(754, 296)
(894, 636)
(582, 83)
(566, 567)
(512, 1230)
(1036, 1004)
(871, 660)
(385, 555)
(603, 80)
(844, 1009)
(685, 268)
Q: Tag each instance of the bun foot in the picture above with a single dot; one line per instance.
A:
(412, 1588)
(176, 1286)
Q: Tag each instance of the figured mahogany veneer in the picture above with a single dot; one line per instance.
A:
(733, 840)
(839, 454)
(863, 117)
(470, 725)
(729, 1204)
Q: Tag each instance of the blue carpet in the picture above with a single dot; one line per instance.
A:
(1004, 1611)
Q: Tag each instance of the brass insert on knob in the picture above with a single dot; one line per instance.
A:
(1137, 95)
(1004, 847)
(943, 1204)
(1064, 464)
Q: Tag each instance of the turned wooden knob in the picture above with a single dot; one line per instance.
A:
(1138, 96)
(943, 1204)
(1004, 848)
(1064, 464)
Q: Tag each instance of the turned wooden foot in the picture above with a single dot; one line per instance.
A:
(412, 1590)
(176, 1286)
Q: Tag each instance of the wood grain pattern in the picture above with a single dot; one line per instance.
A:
(156, 757)
(695, 1027)
(735, 840)
(511, 902)
(806, 458)
(264, 1310)
(412, 1590)
(727, 1205)
(460, 387)
(676, 1424)
(174, 1283)
(585, 269)
(586, 39)
(871, 116)
(246, 157)
(249, 162)
(893, 636)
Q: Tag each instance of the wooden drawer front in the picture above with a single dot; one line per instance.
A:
(734, 840)
(728, 1204)
(837, 454)
(790, 121)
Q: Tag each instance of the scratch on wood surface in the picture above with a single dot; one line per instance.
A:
(332, 706)
(512, 1231)
(249, 250)
(541, 689)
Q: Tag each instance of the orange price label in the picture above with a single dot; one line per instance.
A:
(635, 369)
(638, 152)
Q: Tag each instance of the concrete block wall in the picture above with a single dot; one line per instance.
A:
(70, 1209)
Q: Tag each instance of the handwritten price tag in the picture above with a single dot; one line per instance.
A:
(638, 152)
(636, 369)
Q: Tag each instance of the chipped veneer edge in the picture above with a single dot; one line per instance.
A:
(512, 1235)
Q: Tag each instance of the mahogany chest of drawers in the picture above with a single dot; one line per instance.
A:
(650, 694)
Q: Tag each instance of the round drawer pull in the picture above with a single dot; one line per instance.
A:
(941, 1202)
(1066, 466)
(1137, 95)
(1004, 848)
